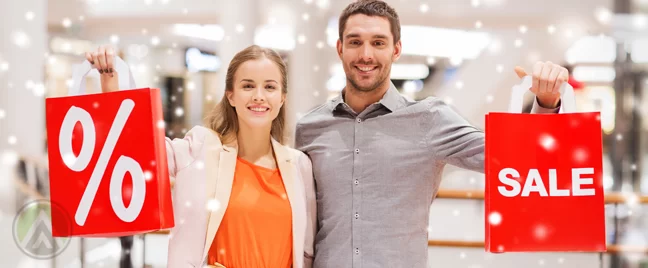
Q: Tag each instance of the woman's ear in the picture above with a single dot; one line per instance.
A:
(229, 93)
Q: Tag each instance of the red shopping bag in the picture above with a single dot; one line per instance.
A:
(107, 160)
(544, 179)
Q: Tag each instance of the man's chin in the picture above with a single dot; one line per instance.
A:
(366, 87)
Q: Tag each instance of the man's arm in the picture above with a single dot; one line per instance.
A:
(455, 141)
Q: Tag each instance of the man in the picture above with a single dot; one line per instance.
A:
(378, 157)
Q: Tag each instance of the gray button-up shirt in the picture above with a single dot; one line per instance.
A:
(377, 172)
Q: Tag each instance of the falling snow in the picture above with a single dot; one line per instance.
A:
(148, 175)
(424, 8)
(39, 90)
(540, 232)
(200, 164)
(240, 28)
(301, 39)
(66, 22)
(9, 158)
(448, 100)
(213, 205)
(12, 140)
(21, 39)
(580, 155)
(179, 111)
(518, 42)
(29, 15)
(548, 142)
(495, 218)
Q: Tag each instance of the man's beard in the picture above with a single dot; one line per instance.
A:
(380, 79)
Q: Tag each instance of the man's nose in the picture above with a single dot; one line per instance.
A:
(366, 53)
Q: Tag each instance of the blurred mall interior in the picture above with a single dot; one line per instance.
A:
(462, 51)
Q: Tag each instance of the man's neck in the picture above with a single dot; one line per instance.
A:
(253, 144)
(359, 100)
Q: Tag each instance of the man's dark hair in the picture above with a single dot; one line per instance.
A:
(371, 8)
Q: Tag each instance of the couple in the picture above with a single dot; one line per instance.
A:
(355, 193)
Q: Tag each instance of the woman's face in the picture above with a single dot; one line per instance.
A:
(257, 95)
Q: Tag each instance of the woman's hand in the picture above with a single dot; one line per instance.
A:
(103, 60)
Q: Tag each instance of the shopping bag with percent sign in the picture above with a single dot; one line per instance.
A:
(544, 179)
(107, 159)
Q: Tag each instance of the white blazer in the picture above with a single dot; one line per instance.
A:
(202, 170)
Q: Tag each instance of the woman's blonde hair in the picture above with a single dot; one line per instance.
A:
(223, 118)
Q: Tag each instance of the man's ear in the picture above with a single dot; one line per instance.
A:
(339, 48)
(398, 48)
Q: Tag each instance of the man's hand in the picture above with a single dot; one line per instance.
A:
(547, 80)
(103, 60)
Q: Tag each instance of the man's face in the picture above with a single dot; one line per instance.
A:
(367, 51)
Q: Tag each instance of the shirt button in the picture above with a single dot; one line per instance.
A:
(357, 215)
(359, 120)
(356, 182)
(357, 151)
(357, 251)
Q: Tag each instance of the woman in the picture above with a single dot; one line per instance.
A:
(241, 198)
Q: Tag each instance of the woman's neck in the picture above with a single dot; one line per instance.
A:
(254, 145)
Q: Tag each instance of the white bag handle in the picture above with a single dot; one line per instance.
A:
(80, 71)
(567, 98)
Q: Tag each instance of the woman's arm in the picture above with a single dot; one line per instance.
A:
(306, 170)
(178, 150)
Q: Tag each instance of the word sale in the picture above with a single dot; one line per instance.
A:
(534, 183)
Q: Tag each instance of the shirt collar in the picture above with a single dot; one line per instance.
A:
(392, 99)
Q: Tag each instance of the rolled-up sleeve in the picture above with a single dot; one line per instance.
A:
(537, 109)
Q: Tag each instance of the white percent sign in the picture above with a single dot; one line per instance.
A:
(124, 163)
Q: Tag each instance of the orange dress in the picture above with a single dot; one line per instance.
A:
(256, 230)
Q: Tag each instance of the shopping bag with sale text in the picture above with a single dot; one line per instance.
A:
(107, 159)
(544, 179)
